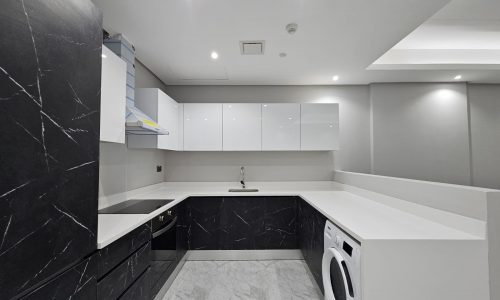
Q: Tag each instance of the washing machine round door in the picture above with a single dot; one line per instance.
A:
(336, 279)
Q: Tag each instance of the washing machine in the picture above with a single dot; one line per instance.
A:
(341, 265)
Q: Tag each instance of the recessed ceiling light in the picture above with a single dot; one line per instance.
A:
(335, 78)
(214, 55)
(103, 55)
(458, 77)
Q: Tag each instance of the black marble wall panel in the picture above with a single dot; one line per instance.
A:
(311, 227)
(116, 282)
(50, 66)
(113, 254)
(78, 282)
(239, 223)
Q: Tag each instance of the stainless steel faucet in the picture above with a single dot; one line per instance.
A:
(242, 177)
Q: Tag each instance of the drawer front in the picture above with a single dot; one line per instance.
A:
(114, 254)
(116, 282)
(140, 290)
(77, 283)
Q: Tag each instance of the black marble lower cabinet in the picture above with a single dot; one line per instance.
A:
(114, 284)
(140, 289)
(125, 269)
(241, 223)
(122, 267)
(77, 283)
(111, 255)
(311, 238)
(252, 223)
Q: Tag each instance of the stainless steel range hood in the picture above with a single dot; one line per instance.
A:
(138, 123)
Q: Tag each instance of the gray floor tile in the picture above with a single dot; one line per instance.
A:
(263, 280)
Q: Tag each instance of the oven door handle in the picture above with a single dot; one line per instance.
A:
(166, 228)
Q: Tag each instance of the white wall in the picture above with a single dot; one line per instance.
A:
(420, 131)
(259, 166)
(354, 151)
(484, 101)
(122, 169)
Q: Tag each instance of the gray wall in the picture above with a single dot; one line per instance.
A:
(484, 101)
(421, 131)
(446, 132)
(259, 166)
(144, 78)
(354, 115)
(122, 169)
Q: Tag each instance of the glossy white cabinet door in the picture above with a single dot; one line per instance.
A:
(319, 126)
(281, 126)
(202, 127)
(165, 111)
(180, 128)
(113, 89)
(168, 114)
(241, 127)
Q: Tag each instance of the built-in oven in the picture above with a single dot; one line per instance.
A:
(163, 248)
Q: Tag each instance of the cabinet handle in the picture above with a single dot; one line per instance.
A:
(165, 229)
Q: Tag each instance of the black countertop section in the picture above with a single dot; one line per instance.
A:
(139, 206)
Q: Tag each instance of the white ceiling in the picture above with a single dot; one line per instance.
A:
(463, 35)
(174, 38)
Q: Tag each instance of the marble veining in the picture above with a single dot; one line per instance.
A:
(116, 282)
(265, 279)
(241, 223)
(49, 138)
(77, 283)
(112, 255)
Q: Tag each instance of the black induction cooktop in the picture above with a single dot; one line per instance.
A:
(135, 206)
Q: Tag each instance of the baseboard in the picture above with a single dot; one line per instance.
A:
(244, 254)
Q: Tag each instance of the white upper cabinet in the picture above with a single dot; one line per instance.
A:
(180, 135)
(165, 111)
(113, 97)
(241, 127)
(319, 126)
(281, 126)
(168, 118)
(202, 127)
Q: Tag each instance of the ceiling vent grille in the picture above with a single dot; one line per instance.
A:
(252, 47)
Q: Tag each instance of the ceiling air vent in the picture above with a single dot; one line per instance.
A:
(252, 47)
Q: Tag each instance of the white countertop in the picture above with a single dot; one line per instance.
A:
(363, 218)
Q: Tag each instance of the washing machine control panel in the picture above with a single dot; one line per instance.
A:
(338, 240)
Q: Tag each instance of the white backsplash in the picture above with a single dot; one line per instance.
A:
(259, 166)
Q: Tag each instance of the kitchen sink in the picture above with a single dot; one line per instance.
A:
(243, 190)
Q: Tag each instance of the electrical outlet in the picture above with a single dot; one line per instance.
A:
(158, 169)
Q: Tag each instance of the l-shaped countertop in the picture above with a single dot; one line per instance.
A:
(363, 218)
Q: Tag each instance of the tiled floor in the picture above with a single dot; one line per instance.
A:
(263, 279)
